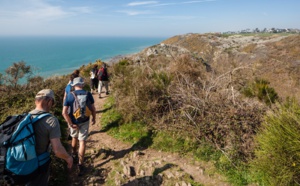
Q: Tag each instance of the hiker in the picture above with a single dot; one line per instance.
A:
(47, 130)
(79, 129)
(103, 79)
(77, 72)
(94, 79)
(69, 86)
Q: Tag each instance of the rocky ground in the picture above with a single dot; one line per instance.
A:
(112, 162)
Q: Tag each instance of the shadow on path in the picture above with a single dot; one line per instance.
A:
(142, 144)
(104, 110)
(153, 180)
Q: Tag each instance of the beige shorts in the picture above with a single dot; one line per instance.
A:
(82, 132)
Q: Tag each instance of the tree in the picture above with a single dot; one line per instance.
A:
(17, 71)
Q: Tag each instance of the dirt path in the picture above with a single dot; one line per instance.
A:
(112, 162)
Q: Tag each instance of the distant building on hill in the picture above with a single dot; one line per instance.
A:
(265, 30)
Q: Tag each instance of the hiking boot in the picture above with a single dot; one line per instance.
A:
(75, 158)
(81, 170)
(99, 96)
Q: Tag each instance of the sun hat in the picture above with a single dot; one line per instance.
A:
(45, 93)
(77, 81)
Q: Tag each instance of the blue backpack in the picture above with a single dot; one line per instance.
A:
(19, 162)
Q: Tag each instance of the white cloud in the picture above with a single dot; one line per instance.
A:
(83, 9)
(142, 3)
(133, 13)
(21, 10)
(186, 2)
(50, 12)
(190, 2)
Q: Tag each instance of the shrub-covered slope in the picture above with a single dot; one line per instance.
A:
(211, 88)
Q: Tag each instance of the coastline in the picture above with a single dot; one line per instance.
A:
(52, 56)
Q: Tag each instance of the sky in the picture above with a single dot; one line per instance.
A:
(143, 18)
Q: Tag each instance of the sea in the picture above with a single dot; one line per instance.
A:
(59, 55)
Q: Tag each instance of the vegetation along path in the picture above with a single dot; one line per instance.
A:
(112, 162)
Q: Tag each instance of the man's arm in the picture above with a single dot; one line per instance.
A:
(61, 152)
(67, 117)
(93, 114)
(65, 96)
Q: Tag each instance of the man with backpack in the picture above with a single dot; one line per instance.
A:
(103, 79)
(47, 131)
(81, 105)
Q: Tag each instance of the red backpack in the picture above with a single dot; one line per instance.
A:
(102, 74)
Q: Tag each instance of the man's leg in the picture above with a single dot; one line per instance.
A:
(74, 144)
(99, 88)
(81, 151)
(96, 84)
(83, 135)
(106, 86)
(91, 85)
(74, 150)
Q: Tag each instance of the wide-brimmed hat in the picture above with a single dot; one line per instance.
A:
(77, 81)
(45, 93)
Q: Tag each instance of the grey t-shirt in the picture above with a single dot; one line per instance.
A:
(45, 129)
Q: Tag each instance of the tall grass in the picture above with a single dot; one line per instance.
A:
(277, 159)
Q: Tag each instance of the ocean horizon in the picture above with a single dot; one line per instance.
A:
(58, 55)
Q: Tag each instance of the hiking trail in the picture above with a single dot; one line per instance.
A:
(111, 162)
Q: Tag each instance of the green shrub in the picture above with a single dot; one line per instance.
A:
(260, 88)
(277, 159)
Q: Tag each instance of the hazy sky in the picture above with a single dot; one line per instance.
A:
(143, 18)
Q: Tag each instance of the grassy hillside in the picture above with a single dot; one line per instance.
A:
(213, 90)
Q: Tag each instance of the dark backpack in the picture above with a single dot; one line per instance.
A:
(19, 162)
(81, 107)
(102, 74)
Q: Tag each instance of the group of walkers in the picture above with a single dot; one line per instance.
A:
(48, 129)
(99, 78)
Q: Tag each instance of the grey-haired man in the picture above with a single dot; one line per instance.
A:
(47, 131)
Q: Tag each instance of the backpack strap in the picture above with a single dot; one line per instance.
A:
(75, 95)
(76, 98)
(40, 116)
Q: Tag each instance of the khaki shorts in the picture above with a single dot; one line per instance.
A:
(82, 132)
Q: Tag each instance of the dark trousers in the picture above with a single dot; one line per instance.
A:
(42, 178)
(94, 84)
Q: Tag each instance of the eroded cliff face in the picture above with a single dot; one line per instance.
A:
(275, 58)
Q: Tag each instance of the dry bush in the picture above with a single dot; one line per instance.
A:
(249, 48)
(179, 94)
(140, 92)
(213, 109)
(21, 99)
